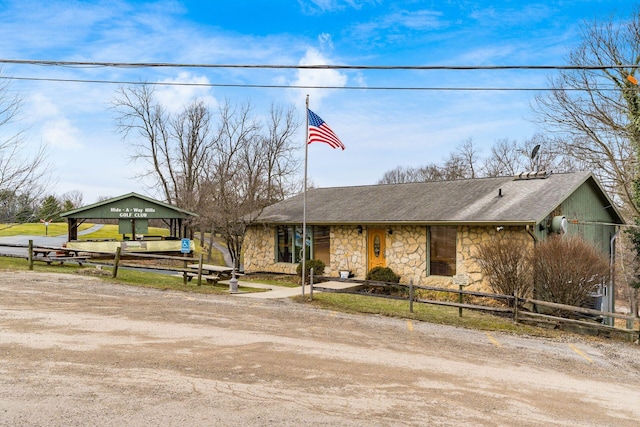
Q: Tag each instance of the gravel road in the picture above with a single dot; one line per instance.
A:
(76, 351)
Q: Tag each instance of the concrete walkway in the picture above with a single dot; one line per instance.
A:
(275, 292)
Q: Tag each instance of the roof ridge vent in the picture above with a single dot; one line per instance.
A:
(531, 175)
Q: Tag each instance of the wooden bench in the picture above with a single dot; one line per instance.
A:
(210, 278)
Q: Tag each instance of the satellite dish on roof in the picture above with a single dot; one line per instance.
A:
(534, 152)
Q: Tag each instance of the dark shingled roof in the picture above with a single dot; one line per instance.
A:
(468, 201)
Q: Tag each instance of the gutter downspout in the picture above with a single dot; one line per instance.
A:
(535, 239)
(611, 291)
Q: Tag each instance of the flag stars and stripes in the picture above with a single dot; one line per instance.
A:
(319, 131)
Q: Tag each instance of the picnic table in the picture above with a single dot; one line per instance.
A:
(60, 255)
(210, 272)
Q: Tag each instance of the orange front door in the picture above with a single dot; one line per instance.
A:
(376, 248)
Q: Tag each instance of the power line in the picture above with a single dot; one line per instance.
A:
(313, 67)
(272, 86)
(94, 64)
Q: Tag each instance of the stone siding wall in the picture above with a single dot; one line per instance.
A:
(259, 252)
(405, 252)
(469, 238)
(348, 251)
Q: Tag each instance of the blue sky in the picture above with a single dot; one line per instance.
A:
(381, 129)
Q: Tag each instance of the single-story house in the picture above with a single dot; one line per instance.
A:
(427, 231)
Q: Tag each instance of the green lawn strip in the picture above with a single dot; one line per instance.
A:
(125, 276)
(276, 280)
(111, 231)
(37, 229)
(422, 312)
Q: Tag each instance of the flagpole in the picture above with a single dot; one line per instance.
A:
(304, 197)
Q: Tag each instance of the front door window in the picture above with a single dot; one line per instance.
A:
(376, 244)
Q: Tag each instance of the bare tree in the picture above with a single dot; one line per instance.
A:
(397, 175)
(71, 200)
(175, 148)
(467, 154)
(595, 109)
(23, 174)
(252, 167)
(278, 153)
(190, 130)
(144, 123)
(507, 157)
(225, 166)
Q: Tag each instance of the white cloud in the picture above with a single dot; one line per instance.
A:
(322, 6)
(60, 133)
(312, 77)
(56, 129)
(42, 106)
(398, 24)
(174, 98)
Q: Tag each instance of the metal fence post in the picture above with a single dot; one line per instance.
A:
(311, 284)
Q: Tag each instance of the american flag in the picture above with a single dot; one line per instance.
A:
(319, 131)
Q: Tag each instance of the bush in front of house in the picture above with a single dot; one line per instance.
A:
(317, 265)
(383, 274)
(505, 263)
(566, 270)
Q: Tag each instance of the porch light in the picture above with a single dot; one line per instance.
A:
(359, 228)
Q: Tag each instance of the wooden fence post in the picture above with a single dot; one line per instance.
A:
(311, 284)
(116, 261)
(410, 295)
(30, 256)
(460, 300)
(515, 306)
(200, 270)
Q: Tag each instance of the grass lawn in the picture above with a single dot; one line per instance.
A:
(124, 277)
(38, 229)
(273, 279)
(422, 312)
(110, 231)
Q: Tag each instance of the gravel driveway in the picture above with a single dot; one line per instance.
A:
(78, 351)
